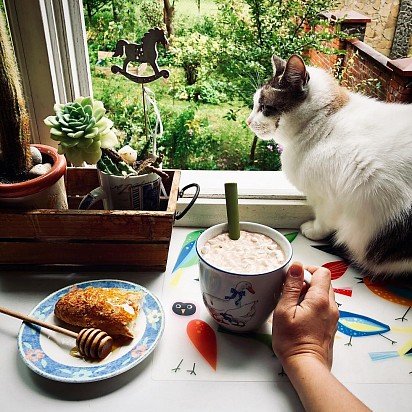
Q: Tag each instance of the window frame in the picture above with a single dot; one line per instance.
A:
(52, 54)
(50, 42)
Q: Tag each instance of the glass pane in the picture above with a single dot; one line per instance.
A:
(219, 53)
(202, 109)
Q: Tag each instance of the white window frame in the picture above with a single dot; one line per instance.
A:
(50, 41)
(49, 38)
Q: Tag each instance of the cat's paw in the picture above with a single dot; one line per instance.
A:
(311, 230)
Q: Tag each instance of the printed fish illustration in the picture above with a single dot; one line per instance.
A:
(393, 290)
(204, 339)
(405, 351)
(337, 268)
(347, 291)
(187, 256)
(291, 236)
(355, 325)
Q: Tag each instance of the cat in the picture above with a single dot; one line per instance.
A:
(351, 156)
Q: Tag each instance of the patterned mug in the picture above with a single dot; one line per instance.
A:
(238, 301)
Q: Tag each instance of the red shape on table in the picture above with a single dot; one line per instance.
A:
(204, 339)
(343, 291)
(337, 268)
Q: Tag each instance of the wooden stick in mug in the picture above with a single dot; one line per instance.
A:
(232, 210)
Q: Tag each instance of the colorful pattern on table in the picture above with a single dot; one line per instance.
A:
(373, 343)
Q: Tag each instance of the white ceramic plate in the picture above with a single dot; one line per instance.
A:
(48, 353)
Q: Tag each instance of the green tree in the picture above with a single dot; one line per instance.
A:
(251, 31)
(92, 7)
(196, 54)
(169, 15)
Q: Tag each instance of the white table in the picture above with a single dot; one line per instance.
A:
(135, 390)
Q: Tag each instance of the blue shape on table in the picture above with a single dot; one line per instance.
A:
(188, 256)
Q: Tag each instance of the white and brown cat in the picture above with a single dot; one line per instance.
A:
(352, 157)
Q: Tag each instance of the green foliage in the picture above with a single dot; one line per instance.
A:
(205, 91)
(123, 104)
(188, 141)
(197, 54)
(198, 136)
(266, 157)
(191, 142)
(132, 20)
(151, 13)
(251, 31)
(216, 57)
(231, 114)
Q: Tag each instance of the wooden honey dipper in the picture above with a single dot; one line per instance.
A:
(92, 343)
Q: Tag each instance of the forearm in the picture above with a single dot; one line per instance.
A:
(318, 389)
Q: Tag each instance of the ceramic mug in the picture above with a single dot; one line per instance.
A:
(242, 302)
(140, 192)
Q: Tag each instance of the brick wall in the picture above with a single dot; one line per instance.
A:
(363, 69)
(326, 61)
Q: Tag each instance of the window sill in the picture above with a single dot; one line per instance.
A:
(264, 197)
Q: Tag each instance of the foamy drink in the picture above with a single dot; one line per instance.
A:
(252, 253)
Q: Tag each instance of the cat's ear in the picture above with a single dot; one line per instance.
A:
(278, 65)
(295, 74)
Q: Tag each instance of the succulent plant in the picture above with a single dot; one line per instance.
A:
(112, 163)
(82, 130)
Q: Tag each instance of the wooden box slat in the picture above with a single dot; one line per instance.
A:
(87, 226)
(90, 237)
(145, 256)
(81, 180)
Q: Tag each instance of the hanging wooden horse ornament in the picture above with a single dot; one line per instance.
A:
(146, 52)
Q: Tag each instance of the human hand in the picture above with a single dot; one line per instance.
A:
(307, 328)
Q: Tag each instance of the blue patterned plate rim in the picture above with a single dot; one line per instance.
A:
(33, 355)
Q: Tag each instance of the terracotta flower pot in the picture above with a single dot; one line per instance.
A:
(44, 192)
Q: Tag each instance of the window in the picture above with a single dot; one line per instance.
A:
(49, 40)
(50, 43)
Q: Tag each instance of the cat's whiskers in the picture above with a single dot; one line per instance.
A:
(255, 79)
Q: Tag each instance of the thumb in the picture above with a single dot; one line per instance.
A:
(293, 285)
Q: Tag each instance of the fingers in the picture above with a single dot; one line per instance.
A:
(320, 293)
(332, 300)
(293, 285)
(321, 279)
(312, 269)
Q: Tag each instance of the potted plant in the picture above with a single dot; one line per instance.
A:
(31, 176)
(85, 135)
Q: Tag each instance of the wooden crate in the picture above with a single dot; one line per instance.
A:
(94, 239)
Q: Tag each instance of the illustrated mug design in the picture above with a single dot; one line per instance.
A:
(236, 301)
(231, 310)
(140, 192)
